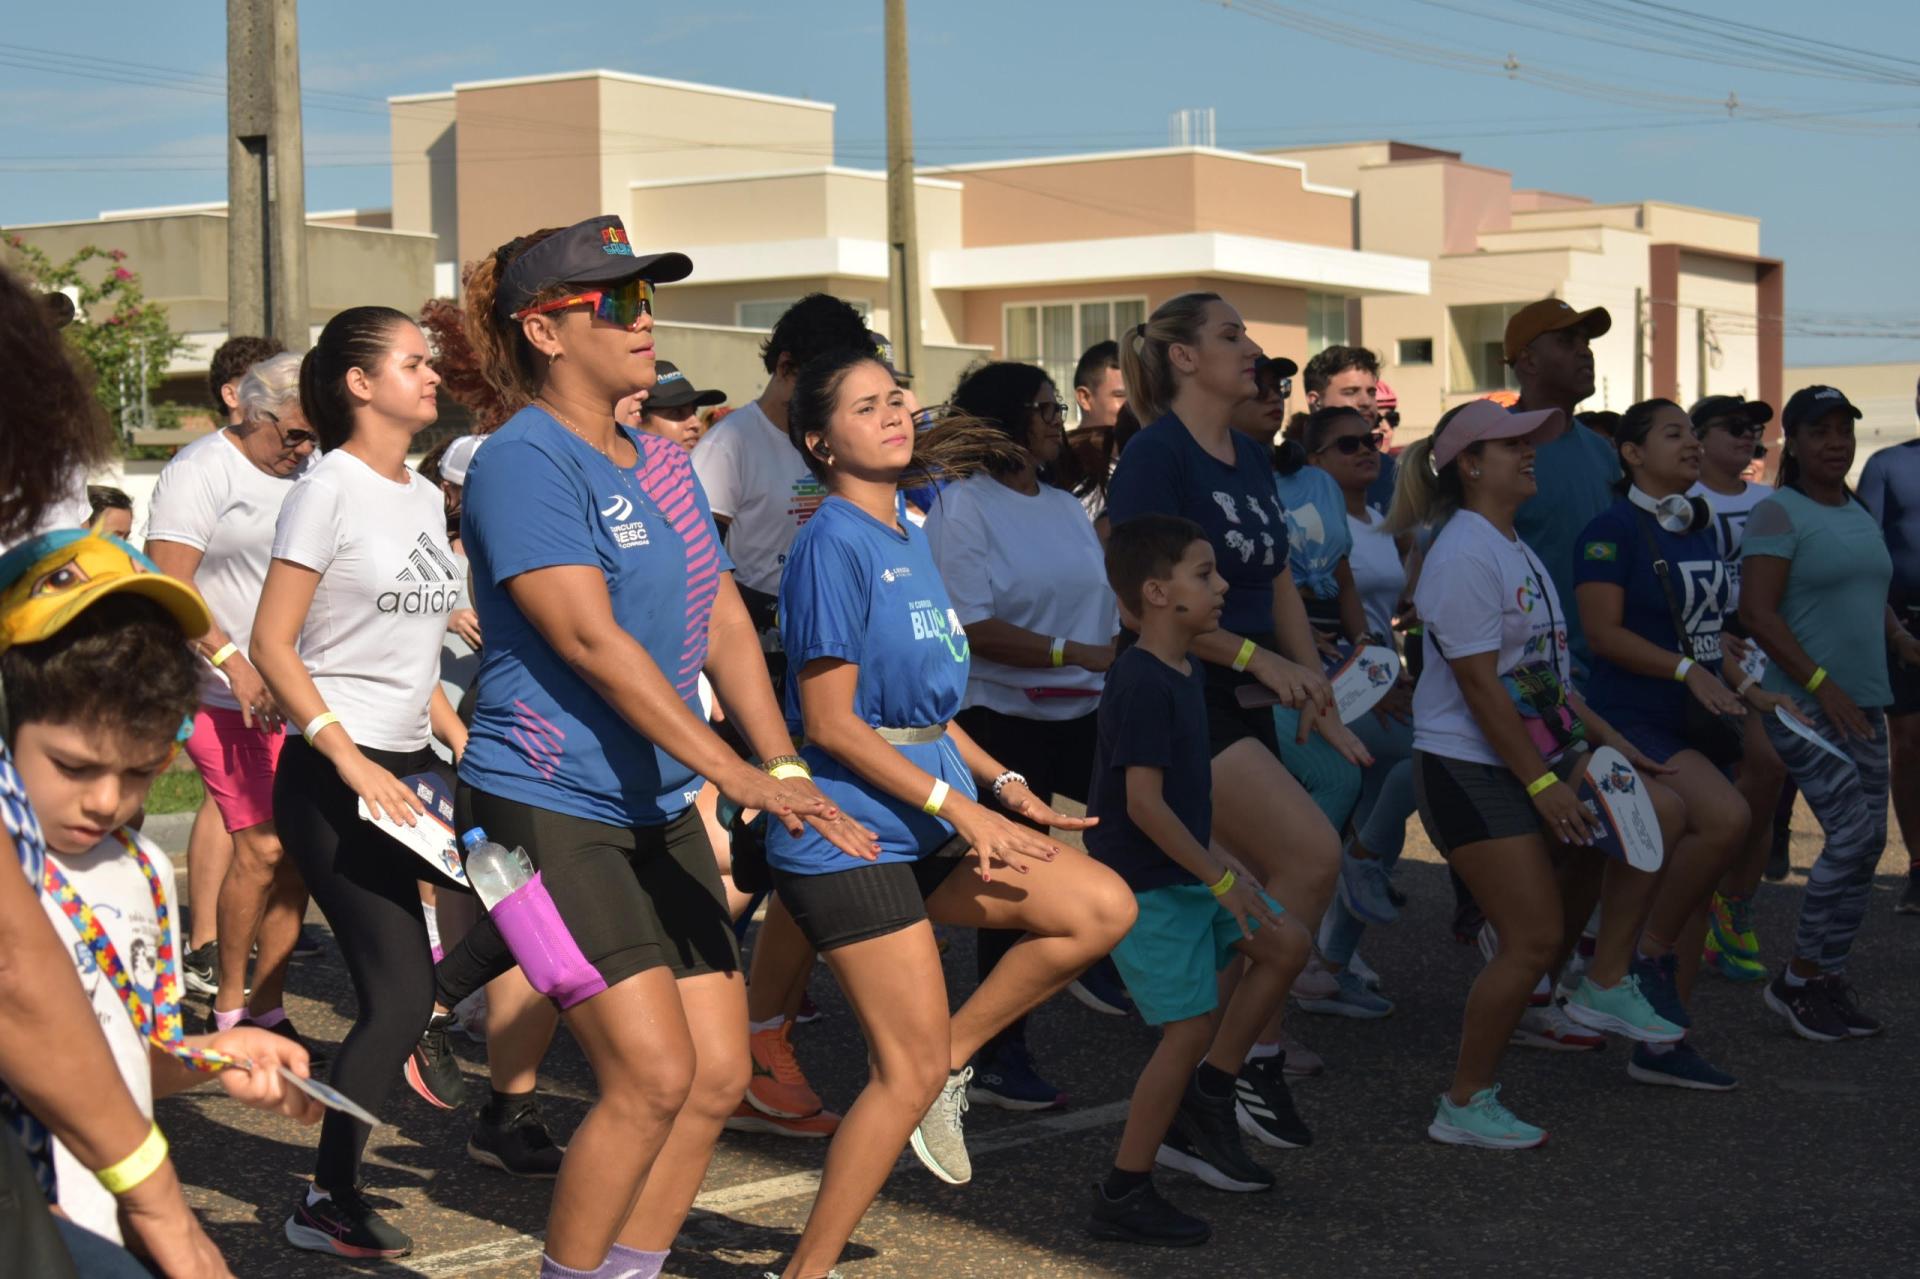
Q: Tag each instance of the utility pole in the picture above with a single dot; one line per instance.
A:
(903, 237)
(266, 174)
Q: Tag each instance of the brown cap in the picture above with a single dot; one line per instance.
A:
(1550, 315)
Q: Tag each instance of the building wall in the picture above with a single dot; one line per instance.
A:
(426, 190)
(528, 158)
(695, 303)
(673, 129)
(1719, 300)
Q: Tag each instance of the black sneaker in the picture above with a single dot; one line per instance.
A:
(346, 1226)
(1909, 903)
(1779, 857)
(1205, 1141)
(1840, 998)
(1660, 984)
(201, 968)
(515, 1140)
(1263, 1105)
(307, 944)
(1807, 1009)
(1142, 1216)
(431, 1068)
(316, 1055)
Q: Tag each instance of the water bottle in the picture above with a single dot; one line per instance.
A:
(492, 870)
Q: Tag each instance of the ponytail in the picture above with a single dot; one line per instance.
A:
(1422, 499)
(506, 359)
(1144, 364)
(357, 338)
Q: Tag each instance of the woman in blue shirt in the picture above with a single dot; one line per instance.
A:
(1650, 556)
(877, 666)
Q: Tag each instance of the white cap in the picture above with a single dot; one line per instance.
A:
(458, 458)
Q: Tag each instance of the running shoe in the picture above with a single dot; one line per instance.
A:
(808, 1013)
(1552, 1029)
(316, 1055)
(1363, 970)
(1730, 927)
(1483, 1122)
(1363, 886)
(1841, 999)
(1008, 1080)
(1660, 983)
(746, 1119)
(1263, 1106)
(1350, 998)
(1909, 903)
(1142, 1216)
(345, 1225)
(1101, 989)
(941, 1137)
(1205, 1142)
(431, 1068)
(1621, 1009)
(1316, 981)
(1807, 1009)
(514, 1139)
(1678, 1067)
(307, 944)
(201, 969)
(778, 1087)
(1730, 966)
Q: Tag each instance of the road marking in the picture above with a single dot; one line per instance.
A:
(767, 1190)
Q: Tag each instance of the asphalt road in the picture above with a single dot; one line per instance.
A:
(1809, 1168)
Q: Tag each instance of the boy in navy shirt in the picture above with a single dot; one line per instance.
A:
(1152, 791)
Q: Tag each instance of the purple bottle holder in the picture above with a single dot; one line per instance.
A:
(538, 937)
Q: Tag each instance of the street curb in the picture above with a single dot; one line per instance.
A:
(169, 830)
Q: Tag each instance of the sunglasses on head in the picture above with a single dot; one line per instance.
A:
(618, 304)
(1351, 444)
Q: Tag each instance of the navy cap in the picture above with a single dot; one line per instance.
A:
(592, 252)
(673, 390)
(1711, 408)
(1811, 403)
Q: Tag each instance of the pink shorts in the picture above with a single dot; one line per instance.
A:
(236, 763)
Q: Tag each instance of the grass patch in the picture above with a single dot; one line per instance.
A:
(178, 790)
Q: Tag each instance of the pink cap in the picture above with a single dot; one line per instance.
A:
(1484, 420)
(1384, 398)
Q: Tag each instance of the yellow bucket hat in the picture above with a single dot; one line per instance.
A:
(51, 579)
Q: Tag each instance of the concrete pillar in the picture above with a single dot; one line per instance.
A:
(266, 174)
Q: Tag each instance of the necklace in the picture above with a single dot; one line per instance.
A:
(578, 433)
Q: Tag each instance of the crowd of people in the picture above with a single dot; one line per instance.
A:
(835, 673)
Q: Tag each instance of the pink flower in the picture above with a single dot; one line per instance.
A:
(121, 273)
(118, 255)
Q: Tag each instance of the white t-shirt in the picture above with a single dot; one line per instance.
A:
(757, 481)
(210, 497)
(1378, 574)
(1032, 562)
(1730, 514)
(1480, 592)
(388, 580)
(110, 882)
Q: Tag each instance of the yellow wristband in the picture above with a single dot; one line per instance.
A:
(936, 797)
(1815, 680)
(1680, 671)
(1057, 654)
(786, 772)
(318, 722)
(1244, 656)
(226, 650)
(1224, 885)
(1540, 783)
(137, 1167)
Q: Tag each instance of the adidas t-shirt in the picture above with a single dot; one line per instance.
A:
(388, 580)
(757, 481)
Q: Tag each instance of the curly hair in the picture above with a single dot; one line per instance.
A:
(122, 664)
(231, 361)
(462, 379)
(52, 430)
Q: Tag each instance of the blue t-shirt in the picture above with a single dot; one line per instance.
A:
(857, 590)
(539, 496)
(1890, 488)
(1151, 716)
(1614, 550)
(1838, 571)
(1165, 472)
(1576, 474)
(1317, 535)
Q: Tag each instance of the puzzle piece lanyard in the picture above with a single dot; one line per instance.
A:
(157, 1017)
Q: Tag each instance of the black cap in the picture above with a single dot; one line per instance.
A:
(1269, 369)
(883, 352)
(672, 390)
(1811, 403)
(592, 252)
(1711, 408)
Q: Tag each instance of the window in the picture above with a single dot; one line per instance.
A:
(1326, 322)
(764, 315)
(1479, 347)
(1055, 334)
(1415, 351)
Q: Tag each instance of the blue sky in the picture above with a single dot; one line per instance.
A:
(1824, 144)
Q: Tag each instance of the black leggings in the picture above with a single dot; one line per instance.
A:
(368, 887)
(1056, 758)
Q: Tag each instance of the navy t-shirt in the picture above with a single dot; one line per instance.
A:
(1151, 716)
(1613, 549)
(536, 497)
(1890, 488)
(867, 594)
(1165, 472)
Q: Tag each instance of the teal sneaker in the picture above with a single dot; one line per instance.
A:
(1621, 1009)
(1483, 1122)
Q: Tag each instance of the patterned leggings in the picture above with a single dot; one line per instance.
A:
(1849, 798)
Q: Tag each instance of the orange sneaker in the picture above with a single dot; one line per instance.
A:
(746, 1119)
(777, 1088)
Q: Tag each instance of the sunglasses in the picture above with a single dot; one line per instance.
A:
(1351, 444)
(1390, 416)
(620, 304)
(1052, 410)
(1732, 426)
(293, 437)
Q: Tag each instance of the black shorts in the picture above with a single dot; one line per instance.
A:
(865, 901)
(1462, 802)
(1905, 679)
(633, 898)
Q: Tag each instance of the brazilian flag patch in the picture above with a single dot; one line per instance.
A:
(1603, 551)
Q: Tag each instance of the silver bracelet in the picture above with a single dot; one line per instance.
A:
(1005, 780)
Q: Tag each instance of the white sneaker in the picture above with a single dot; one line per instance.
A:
(1552, 1029)
(1315, 982)
(1364, 971)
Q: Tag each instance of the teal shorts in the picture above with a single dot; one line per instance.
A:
(1174, 952)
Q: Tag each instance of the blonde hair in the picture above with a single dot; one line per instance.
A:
(268, 387)
(1422, 499)
(1144, 364)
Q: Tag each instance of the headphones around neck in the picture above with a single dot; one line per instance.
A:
(1675, 512)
